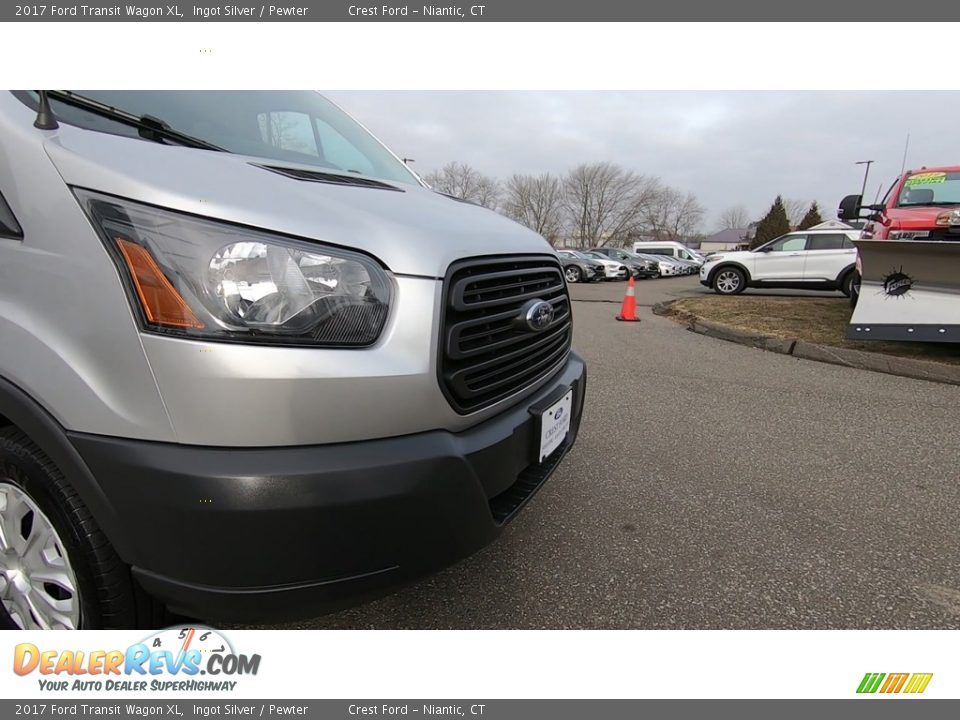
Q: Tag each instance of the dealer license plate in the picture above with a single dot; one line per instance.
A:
(555, 424)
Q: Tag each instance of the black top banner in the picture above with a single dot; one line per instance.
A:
(484, 11)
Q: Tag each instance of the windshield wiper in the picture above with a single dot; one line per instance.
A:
(148, 127)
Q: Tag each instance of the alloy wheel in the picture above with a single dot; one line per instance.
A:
(728, 281)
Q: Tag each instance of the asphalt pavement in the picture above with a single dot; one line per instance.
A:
(718, 486)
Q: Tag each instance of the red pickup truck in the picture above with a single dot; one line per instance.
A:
(922, 204)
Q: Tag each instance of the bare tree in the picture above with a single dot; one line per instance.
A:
(673, 215)
(282, 131)
(687, 218)
(605, 203)
(796, 209)
(734, 218)
(462, 181)
(488, 192)
(537, 202)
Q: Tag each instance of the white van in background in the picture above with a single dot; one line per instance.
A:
(671, 248)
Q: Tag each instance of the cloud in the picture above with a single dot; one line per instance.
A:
(729, 148)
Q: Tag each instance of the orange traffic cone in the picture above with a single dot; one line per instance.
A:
(628, 311)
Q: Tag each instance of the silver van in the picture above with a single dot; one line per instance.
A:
(251, 367)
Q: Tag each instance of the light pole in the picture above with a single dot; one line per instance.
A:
(866, 173)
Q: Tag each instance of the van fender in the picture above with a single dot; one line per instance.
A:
(19, 409)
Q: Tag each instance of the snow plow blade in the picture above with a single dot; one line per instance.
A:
(909, 290)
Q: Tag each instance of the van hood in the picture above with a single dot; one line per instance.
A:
(922, 217)
(413, 232)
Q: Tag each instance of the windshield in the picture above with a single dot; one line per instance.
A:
(930, 188)
(294, 126)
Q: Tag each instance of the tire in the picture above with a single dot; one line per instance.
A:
(729, 281)
(847, 282)
(572, 274)
(89, 587)
(852, 281)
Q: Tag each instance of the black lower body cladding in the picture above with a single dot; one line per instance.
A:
(251, 535)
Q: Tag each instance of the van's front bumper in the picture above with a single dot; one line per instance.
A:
(261, 534)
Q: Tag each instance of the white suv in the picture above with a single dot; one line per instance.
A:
(806, 259)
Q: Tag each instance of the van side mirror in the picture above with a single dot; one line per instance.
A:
(850, 207)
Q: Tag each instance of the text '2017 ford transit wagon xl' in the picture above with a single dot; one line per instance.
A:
(251, 367)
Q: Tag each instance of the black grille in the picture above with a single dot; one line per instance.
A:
(485, 353)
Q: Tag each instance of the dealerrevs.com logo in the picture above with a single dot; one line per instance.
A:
(178, 659)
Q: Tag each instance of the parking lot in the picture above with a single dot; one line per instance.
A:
(718, 486)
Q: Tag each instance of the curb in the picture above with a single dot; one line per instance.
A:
(857, 359)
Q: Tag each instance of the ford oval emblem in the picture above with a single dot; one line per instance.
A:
(558, 414)
(537, 315)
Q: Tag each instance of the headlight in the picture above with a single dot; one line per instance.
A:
(712, 258)
(207, 279)
(948, 217)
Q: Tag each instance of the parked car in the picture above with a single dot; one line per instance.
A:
(580, 269)
(921, 205)
(613, 270)
(248, 375)
(687, 267)
(639, 267)
(666, 266)
(808, 259)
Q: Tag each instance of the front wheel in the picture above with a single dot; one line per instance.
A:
(57, 570)
(729, 281)
(572, 274)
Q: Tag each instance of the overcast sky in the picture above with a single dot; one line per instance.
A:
(728, 148)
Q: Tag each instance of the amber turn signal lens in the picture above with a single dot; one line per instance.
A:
(161, 302)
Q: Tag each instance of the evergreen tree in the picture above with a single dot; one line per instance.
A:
(811, 218)
(773, 225)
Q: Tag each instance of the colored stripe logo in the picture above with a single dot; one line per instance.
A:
(913, 683)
